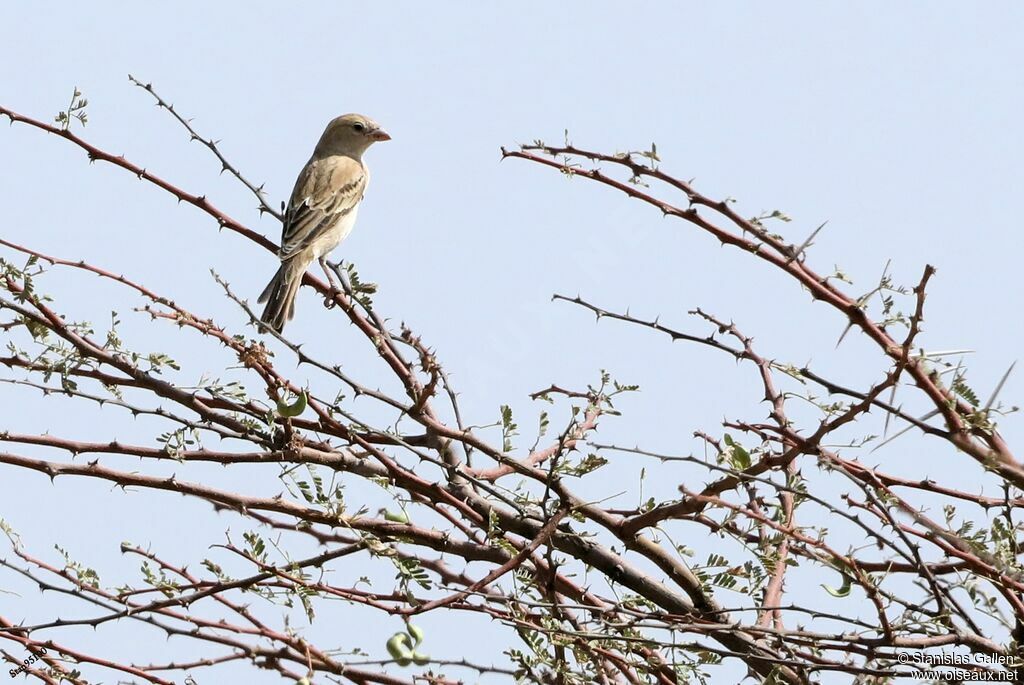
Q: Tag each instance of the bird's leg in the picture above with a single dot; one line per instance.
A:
(329, 299)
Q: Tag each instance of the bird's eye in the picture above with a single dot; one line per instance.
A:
(359, 127)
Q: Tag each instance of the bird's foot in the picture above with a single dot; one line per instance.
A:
(331, 298)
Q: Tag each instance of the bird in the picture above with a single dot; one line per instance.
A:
(321, 211)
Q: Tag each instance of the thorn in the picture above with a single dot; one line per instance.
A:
(843, 335)
(999, 387)
(927, 416)
(888, 415)
(807, 243)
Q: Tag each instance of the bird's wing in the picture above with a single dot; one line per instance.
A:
(326, 190)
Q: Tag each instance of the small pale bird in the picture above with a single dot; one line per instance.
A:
(322, 209)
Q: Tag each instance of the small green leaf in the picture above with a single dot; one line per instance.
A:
(739, 457)
(961, 388)
(509, 429)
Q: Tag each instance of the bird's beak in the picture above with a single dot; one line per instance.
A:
(380, 134)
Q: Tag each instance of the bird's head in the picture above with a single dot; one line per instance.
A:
(351, 135)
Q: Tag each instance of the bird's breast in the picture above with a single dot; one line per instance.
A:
(332, 237)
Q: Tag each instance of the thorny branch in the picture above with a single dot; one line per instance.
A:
(586, 592)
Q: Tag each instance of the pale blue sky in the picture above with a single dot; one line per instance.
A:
(899, 123)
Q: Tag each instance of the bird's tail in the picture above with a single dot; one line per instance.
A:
(280, 294)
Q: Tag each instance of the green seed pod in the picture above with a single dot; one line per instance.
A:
(420, 659)
(398, 648)
(400, 517)
(417, 634)
(294, 409)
